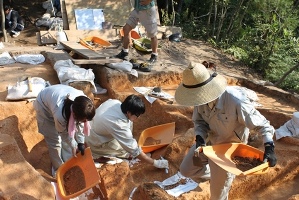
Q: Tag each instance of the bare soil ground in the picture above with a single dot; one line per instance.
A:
(25, 167)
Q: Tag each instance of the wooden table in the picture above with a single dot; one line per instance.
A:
(91, 57)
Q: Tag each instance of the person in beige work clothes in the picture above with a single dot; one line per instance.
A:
(145, 13)
(224, 114)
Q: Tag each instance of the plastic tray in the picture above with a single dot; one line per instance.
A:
(162, 134)
(222, 155)
(134, 34)
(99, 42)
(87, 165)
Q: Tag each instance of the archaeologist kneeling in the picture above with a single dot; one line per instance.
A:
(111, 131)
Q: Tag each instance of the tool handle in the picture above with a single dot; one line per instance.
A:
(29, 84)
(86, 43)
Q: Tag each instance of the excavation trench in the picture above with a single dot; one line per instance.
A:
(24, 154)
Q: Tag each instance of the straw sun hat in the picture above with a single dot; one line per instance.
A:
(199, 86)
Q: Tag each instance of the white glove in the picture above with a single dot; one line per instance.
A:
(161, 163)
(198, 151)
(73, 146)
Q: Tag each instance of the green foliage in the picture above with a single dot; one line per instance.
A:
(261, 33)
(167, 19)
(237, 52)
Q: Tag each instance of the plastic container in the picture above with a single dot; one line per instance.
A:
(134, 34)
(94, 43)
(87, 165)
(223, 154)
(160, 136)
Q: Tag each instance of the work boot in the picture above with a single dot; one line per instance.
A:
(123, 55)
(153, 59)
(15, 34)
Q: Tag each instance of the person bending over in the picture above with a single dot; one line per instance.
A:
(62, 114)
(111, 131)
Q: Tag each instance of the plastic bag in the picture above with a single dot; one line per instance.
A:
(68, 72)
(125, 66)
(6, 59)
(33, 59)
(21, 90)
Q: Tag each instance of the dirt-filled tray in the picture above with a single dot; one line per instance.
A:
(77, 175)
(156, 137)
(226, 155)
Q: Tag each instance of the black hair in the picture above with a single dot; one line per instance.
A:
(133, 104)
(6, 7)
(82, 106)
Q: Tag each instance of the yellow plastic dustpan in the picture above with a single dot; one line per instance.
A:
(223, 154)
(156, 137)
(90, 172)
(94, 43)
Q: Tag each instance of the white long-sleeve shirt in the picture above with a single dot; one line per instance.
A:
(111, 123)
(231, 119)
(50, 101)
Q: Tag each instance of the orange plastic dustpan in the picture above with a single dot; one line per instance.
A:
(156, 137)
(87, 165)
(134, 34)
(96, 41)
(223, 154)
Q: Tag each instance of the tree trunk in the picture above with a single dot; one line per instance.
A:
(235, 16)
(3, 21)
(178, 11)
(215, 17)
(209, 20)
(285, 75)
(222, 18)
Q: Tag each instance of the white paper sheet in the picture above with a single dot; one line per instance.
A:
(89, 19)
(180, 189)
(146, 91)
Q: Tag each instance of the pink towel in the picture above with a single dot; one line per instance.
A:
(72, 126)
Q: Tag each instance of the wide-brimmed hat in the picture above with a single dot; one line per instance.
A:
(199, 86)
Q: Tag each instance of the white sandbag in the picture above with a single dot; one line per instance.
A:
(6, 59)
(45, 22)
(290, 128)
(68, 72)
(125, 66)
(32, 59)
(21, 91)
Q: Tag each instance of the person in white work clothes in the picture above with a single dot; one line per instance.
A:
(63, 114)
(111, 131)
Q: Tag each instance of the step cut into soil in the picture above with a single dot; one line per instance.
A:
(74, 180)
